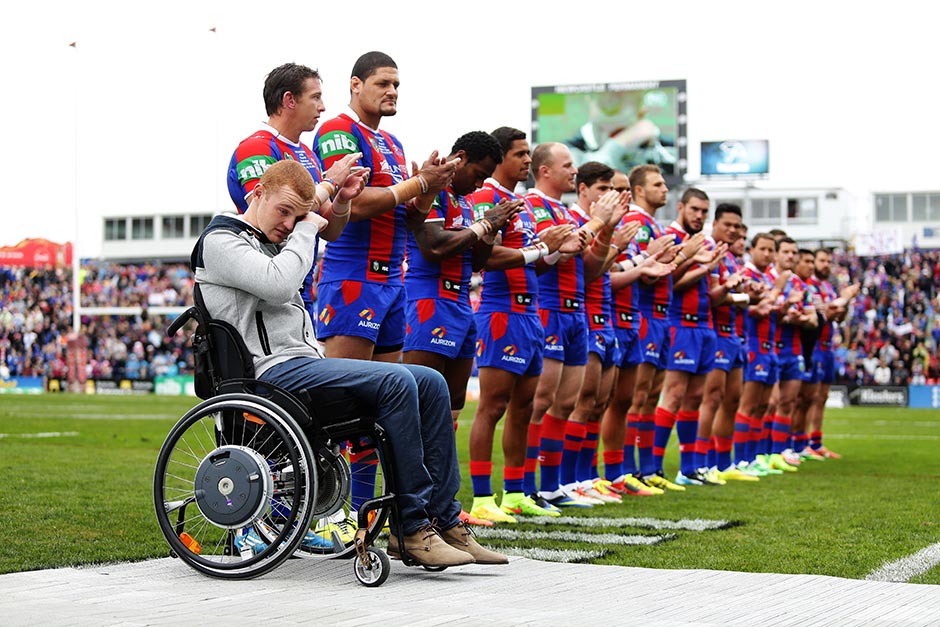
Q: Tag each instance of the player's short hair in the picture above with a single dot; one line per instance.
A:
(285, 78)
(479, 145)
(784, 240)
(290, 174)
(777, 233)
(639, 173)
(693, 192)
(591, 172)
(506, 135)
(823, 250)
(806, 251)
(759, 236)
(727, 207)
(369, 63)
(542, 155)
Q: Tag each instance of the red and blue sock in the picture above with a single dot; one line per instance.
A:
(480, 477)
(687, 431)
(742, 438)
(531, 458)
(722, 448)
(513, 478)
(780, 433)
(551, 446)
(574, 438)
(586, 468)
(665, 420)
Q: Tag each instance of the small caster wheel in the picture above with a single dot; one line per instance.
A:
(375, 572)
(434, 569)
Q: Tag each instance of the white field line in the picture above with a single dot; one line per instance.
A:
(696, 524)
(904, 569)
(554, 555)
(907, 423)
(62, 415)
(47, 434)
(489, 533)
(878, 436)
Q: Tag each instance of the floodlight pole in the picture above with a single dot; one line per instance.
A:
(76, 264)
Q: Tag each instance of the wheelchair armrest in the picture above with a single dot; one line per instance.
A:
(193, 313)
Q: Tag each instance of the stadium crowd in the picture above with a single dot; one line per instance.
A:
(36, 321)
(896, 318)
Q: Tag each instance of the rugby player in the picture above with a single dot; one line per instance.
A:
(361, 298)
(510, 341)
(293, 100)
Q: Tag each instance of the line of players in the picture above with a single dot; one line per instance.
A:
(595, 325)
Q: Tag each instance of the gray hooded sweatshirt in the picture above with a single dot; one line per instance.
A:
(255, 285)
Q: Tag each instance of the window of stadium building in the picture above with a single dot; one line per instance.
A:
(891, 207)
(142, 228)
(802, 210)
(925, 207)
(198, 224)
(173, 227)
(115, 229)
(765, 210)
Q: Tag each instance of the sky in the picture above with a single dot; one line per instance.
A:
(145, 110)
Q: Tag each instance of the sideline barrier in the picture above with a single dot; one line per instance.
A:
(879, 396)
(21, 385)
(176, 385)
(924, 396)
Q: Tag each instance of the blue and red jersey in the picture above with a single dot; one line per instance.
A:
(256, 154)
(760, 331)
(368, 250)
(626, 300)
(825, 294)
(787, 337)
(725, 316)
(654, 298)
(561, 288)
(448, 279)
(691, 307)
(597, 294)
(514, 290)
(251, 158)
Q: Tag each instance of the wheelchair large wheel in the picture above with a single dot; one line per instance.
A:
(348, 474)
(233, 490)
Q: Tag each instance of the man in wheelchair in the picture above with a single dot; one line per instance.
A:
(249, 270)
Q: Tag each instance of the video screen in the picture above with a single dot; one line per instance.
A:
(735, 157)
(619, 124)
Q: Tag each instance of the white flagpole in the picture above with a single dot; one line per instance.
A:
(76, 263)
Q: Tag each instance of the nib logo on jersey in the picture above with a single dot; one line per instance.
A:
(365, 320)
(337, 143)
(253, 167)
(509, 354)
(439, 338)
(551, 344)
(679, 357)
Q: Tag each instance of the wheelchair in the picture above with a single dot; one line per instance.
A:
(254, 475)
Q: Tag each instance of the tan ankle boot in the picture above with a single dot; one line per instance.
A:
(461, 537)
(427, 548)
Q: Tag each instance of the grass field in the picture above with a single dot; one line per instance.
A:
(76, 473)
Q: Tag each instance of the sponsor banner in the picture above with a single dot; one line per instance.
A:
(21, 385)
(924, 396)
(879, 395)
(176, 385)
(838, 397)
(121, 387)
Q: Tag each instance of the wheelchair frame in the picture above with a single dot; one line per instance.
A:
(244, 474)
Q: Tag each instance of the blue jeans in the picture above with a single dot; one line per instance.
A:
(413, 407)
